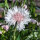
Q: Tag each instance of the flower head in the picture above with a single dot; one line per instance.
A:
(6, 27)
(0, 32)
(19, 15)
(38, 23)
(0, 23)
(24, 6)
(33, 21)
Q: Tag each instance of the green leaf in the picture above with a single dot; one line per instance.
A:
(18, 38)
(1, 4)
(6, 4)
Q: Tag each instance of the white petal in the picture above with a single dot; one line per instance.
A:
(13, 21)
(15, 9)
(20, 26)
(10, 11)
(28, 19)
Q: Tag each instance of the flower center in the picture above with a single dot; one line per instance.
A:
(18, 17)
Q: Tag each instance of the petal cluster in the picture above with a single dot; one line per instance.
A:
(19, 14)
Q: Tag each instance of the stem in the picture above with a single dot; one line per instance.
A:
(4, 12)
(14, 34)
(12, 3)
(24, 2)
(15, 31)
(16, 2)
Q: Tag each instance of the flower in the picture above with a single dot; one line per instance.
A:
(19, 15)
(38, 23)
(13, 1)
(6, 27)
(0, 32)
(33, 21)
(25, 6)
(0, 23)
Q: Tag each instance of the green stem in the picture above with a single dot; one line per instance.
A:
(16, 2)
(15, 31)
(14, 34)
(4, 12)
(24, 2)
(12, 3)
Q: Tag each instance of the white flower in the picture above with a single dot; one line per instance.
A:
(0, 32)
(25, 6)
(0, 23)
(18, 14)
(38, 23)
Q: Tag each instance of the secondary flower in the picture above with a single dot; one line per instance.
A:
(6, 27)
(38, 23)
(19, 15)
(25, 6)
(0, 32)
(33, 21)
(0, 23)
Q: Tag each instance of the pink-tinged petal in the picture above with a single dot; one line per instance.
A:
(25, 6)
(6, 27)
(0, 23)
(0, 32)
(33, 21)
(38, 23)
(18, 17)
